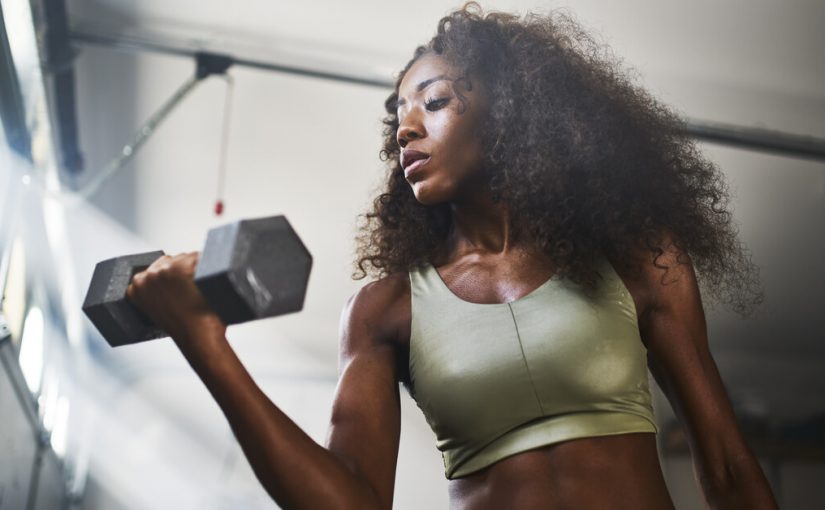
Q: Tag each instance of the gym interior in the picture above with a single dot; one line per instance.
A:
(131, 127)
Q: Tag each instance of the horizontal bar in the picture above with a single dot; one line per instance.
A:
(757, 138)
(726, 134)
(120, 43)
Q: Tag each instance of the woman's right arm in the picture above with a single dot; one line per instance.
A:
(357, 468)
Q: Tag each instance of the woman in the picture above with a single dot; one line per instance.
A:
(536, 245)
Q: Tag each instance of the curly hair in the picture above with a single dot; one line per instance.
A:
(585, 160)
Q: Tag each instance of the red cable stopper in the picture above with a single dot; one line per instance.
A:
(218, 207)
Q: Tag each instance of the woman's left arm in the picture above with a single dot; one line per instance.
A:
(674, 331)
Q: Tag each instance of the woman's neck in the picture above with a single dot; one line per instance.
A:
(482, 228)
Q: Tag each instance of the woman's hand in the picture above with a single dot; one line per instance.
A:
(167, 294)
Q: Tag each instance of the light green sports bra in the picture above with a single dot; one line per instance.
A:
(497, 379)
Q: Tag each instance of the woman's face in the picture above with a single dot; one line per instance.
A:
(429, 122)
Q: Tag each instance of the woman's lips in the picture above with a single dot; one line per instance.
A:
(418, 163)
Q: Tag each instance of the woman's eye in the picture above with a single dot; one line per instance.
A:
(435, 104)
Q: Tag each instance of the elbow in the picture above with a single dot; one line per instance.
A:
(351, 492)
(363, 499)
(737, 484)
(357, 494)
(333, 500)
(368, 498)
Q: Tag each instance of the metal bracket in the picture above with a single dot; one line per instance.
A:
(211, 63)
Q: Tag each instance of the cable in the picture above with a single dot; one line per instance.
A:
(227, 110)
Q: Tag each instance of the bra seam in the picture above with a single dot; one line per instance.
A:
(524, 358)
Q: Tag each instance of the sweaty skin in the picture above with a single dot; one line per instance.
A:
(482, 262)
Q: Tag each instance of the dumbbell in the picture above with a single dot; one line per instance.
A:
(248, 270)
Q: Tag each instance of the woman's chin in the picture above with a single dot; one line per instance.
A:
(425, 195)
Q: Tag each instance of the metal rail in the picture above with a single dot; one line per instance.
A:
(757, 138)
(765, 140)
(137, 45)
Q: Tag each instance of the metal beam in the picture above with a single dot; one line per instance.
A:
(764, 140)
(137, 45)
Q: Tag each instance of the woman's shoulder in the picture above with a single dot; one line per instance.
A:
(385, 290)
(383, 305)
(643, 270)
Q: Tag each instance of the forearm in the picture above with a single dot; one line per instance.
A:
(295, 470)
(743, 486)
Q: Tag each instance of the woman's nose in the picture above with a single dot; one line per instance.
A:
(409, 129)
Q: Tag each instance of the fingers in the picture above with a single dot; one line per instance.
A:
(131, 289)
(165, 268)
(182, 263)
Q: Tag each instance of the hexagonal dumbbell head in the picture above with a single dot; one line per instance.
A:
(252, 269)
(106, 304)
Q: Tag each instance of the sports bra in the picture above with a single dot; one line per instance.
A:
(494, 380)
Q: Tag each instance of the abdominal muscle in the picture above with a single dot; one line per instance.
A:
(618, 472)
